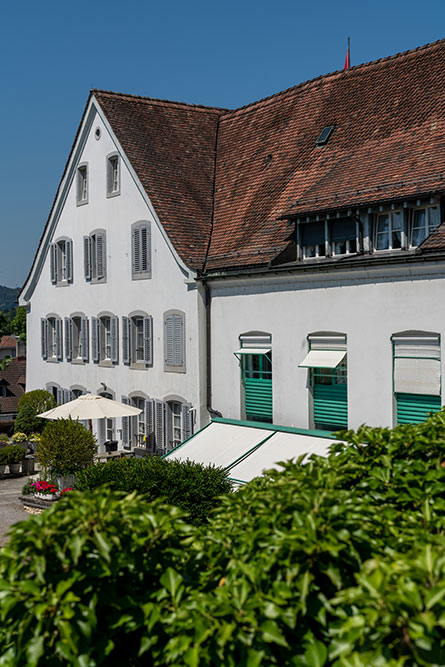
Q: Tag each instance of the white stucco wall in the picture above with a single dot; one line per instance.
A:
(369, 306)
(167, 289)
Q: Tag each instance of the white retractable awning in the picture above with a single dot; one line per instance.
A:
(323, 359)
(280, 447)
(253, 350)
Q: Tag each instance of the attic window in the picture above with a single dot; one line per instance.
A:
(324, 136)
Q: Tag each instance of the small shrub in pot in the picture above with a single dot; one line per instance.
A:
(66, 447)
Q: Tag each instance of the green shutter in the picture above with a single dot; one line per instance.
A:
(330, 406)
(415, 408)
(258, 394)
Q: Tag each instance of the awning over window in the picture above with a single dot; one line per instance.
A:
(417, 376)
(323, 359)
(253, 350)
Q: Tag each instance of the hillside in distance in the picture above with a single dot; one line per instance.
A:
(8, 297)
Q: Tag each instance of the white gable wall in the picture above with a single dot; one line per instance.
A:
(120, 294)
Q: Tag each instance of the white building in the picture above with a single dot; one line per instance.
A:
(283, 262)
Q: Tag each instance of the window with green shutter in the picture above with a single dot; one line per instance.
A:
(330, 397)
(257, 381)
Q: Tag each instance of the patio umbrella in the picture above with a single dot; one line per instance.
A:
(90, 406)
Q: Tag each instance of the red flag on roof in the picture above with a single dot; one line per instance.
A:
(348, 55)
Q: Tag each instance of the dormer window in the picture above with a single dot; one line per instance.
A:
(425, 220)
(113, 176)
(82, 184)
(313, 240)
(329, 238)
(389, 230)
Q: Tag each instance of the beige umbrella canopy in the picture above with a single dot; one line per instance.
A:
(90, 406)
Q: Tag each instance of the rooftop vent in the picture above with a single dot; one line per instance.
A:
(324, 136)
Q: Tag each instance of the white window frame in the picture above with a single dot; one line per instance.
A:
(429, 228)
(82, 184)
(390, 213)
(113, 175)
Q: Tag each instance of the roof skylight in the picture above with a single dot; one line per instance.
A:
(324, 136)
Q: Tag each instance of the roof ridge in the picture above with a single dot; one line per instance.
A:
(337, 72)
(155, 100)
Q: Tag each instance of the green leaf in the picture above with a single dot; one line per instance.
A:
(171, 580)
(34, 650)
(316, 654)
(272, 633)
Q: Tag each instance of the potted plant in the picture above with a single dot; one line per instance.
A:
(14, 457)
(44, 490)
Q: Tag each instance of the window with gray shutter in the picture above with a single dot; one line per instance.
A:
(141, 250)
(68, 338)
(126, 340)
(125, 425)
(84, 338)
(44, 337)
(114, 323)
(99, 256)
(187, 421)
(174, 342)
(87, 257)
(160, 426)
(69, 260)
(67, 397)
(150, 424)
(95, 339)
(148, 340)
(58, 339)
(53, 262)
(59, 395)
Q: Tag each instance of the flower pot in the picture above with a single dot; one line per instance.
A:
(2, 469)
(14, 468)
(65, 481)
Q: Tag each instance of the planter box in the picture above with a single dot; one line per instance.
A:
(14, 468)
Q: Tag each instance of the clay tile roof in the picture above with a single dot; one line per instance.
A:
(388, 142)
(171, 146)
(8, 341)
(14, 378)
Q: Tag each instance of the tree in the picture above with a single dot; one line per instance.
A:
(18, 323)
(66, 447)
(33, 403)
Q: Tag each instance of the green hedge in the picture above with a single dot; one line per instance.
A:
(339, 562)
(193, 487)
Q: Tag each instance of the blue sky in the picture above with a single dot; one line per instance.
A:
(221, 54)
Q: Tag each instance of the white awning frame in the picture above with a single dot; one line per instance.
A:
(323, 359)
(253, 350)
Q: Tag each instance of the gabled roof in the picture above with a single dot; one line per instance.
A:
(223, 182)
(8, 342)
(171, 146)
(14, 378)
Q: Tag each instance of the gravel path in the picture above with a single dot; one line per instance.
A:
(11, 509)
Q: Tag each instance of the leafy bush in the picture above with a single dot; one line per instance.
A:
(27, 489)
(31, 404)
(192, 487)
(26, 420)
(4, 437)
(335, 563)
(12, 454)
(66, 447)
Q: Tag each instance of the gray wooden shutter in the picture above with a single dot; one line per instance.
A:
(59, 393)
(114, 325)
(150, 424)
(53, 262)
(125, 425)
(136, 250)
(101, 431)
(87, 257)
(178, 337)
(168, 341)
(95, 339)
(68, 338)
(159, 424)
(44, 337)
(84, 338)
(58, 339)
(126, 340)
(100, 256)
(145, 250)
(67, 395)
(187, 422)
(168, 427)
(148, 340)
(69, 260)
